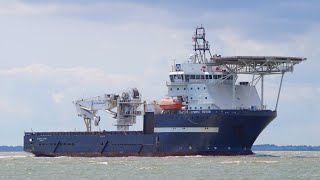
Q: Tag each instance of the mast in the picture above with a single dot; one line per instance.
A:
(201, 45)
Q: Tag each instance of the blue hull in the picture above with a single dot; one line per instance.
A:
(237, 131)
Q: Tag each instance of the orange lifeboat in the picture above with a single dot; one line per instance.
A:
(170, 104)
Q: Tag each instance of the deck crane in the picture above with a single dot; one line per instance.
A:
(127, 104)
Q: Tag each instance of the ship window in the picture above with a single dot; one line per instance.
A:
(187, 78)
(200, 107)
(219, 76)
(209, 107)
(195, 107)
(171, 78)
(215, 77)
(192, 77)
(191, 88)
(207, 76)
(206, 98)
(202, 76)
(210, 76)
(190, 97)
(184, 88)
(178, 89)
(198, 88)
(197, 76)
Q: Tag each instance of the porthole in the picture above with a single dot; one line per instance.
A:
(206, 98)
(177, 88)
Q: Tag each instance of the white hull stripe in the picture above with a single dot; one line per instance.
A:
(187, 129)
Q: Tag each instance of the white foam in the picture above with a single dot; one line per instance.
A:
(267, 161)
(14, 156)
(104, 163)
(230, 162)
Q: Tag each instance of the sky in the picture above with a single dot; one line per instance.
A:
(55, 52)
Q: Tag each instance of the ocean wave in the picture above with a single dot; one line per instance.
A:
(13, 157)
(230, 162)
(103, 163)
(268, 162)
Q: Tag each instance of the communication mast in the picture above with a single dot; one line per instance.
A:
(201, 45)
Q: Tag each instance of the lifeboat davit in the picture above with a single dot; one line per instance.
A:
(170, 104)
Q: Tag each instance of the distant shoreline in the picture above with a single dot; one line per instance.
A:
(272, 147)
(259, 147)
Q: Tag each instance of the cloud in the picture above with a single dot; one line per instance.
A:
(57, 97)
(20, 8)
(65, 75)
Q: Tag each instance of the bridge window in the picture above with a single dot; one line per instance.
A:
(172, 78)
(192, 76)
(187, 78)
(202, 76)
(197, 76)
(180, 77)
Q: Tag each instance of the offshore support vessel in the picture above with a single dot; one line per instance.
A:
(208, 111)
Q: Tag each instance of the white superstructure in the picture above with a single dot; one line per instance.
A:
(203, 87)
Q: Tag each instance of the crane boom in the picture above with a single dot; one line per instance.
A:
(127, 104)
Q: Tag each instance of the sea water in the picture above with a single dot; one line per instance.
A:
(262, 165)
